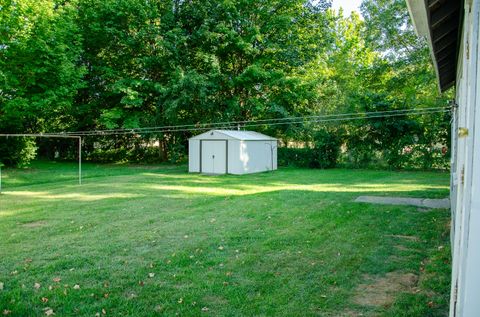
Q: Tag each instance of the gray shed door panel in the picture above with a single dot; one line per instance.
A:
(213, 156)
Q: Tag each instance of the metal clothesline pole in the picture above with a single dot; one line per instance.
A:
(79, 161)
(1, 177)
(41, 135)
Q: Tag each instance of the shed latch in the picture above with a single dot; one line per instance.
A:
(462, 132)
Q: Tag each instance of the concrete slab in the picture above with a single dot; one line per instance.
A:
(407, 201)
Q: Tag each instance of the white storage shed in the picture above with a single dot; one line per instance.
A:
(231, 152)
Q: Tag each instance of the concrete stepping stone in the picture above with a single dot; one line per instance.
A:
(407, 201)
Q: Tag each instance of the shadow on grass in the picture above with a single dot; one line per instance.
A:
(292, 241)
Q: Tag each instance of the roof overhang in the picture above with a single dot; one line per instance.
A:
(439, 22)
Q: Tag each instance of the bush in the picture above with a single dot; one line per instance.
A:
(304, 157)
(327, 148)
(17, 151)
(324, 154)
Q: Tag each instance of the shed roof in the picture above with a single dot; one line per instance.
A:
(439, 22)
(235, 134)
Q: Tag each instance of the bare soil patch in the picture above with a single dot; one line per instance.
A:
(381, 291)
(411, 238)
(35, 224)
(404, 248)
(351, 313)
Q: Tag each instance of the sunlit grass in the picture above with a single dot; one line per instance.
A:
(286, 243)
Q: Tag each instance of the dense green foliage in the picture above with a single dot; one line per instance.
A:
(108, 64)
(324, 152)
(289, 243)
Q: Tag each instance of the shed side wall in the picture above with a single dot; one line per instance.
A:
(235, 165)
(255, 156)
(194, 156)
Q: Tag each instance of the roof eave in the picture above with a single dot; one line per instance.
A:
(443, 19)
(419, 16)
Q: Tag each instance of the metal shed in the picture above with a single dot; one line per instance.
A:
(232, 152)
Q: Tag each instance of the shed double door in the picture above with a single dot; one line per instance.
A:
(213, 156)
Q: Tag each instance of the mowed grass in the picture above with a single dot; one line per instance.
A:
(155, 240)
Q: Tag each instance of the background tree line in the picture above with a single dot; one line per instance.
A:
(105, 64)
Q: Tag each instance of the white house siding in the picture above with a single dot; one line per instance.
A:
(465, 294)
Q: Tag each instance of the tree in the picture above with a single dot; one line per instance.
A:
(39, 69)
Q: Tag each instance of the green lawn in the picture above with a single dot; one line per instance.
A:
(155, 240)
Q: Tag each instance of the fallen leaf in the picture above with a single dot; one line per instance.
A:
(205, 309)
(180, 300)
(220, 248)
(151, 275)
(44, 300)
(76, 286)
(104, 311)
(228, 274)
(6, 312)
(158, 308)
(106, 295)
(36, 285)
(1, 286)
(56, 279)
(97, 315)
(151, 265)
(50, 287)
(28, 260)
(141, 283)
(14, 272)
(49, 312)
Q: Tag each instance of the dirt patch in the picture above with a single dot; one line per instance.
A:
(215, 300)
(350, 313)
(404, 248)
(398, 236)
(381, 291)
(35, 224)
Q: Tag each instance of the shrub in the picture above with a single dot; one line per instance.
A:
(296, 157)
(324, 154)
(327, 145)
(17, 151)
